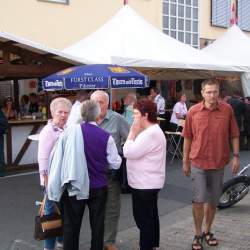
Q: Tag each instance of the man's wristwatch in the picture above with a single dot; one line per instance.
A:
(236, 155)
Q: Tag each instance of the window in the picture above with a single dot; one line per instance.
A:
(244, 14)
(180, 10)
(221, 13)
(181, 19)
(181, 24)
(56, 1)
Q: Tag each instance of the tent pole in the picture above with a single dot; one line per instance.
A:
(110, 98)
(110, 93)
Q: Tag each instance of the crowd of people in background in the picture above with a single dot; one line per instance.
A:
(241, 107)
(31, 104)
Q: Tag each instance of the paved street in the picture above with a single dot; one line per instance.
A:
(18, 195)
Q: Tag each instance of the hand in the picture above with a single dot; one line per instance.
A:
(136, 126)
(235, 165)
(45, 180)
(186, 167)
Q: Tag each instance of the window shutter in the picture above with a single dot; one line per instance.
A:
(244, 14)
(221, 13)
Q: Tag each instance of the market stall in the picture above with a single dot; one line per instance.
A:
(22, 63)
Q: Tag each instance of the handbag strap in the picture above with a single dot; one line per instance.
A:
(42, 207)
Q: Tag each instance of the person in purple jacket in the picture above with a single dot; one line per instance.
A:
(101, 154)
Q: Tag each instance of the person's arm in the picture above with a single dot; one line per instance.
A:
(113, 158)
(123, 129)
(45, 145)
(188, 137)
(158, 105)
(234, 135)
(235, 159)
(162, 106)
(186, 160)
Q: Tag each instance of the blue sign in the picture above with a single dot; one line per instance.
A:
(95, 76)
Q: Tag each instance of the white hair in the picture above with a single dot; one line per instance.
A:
(101, 93)
(57, 101)
(90, 110)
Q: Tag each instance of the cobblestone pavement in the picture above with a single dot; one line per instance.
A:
(231, 227)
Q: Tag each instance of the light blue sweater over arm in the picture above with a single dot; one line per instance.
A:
(68, 166)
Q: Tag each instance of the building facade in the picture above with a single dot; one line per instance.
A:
(218, 15)
(60, 23)
(197, 22)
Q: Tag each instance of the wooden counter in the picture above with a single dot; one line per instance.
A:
(21, 152)
(26, 121)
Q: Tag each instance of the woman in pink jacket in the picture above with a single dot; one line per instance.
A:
(145, 150)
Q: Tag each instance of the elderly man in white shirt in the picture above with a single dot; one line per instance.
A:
(179, 112)
(158, 100)
(160, 104)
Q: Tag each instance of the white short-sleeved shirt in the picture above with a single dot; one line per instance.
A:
(160, 102)
(179, 108)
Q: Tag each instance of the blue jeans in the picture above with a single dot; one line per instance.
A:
(51, 242)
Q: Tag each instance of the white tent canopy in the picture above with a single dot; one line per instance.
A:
(128, 39)
(234, 47)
